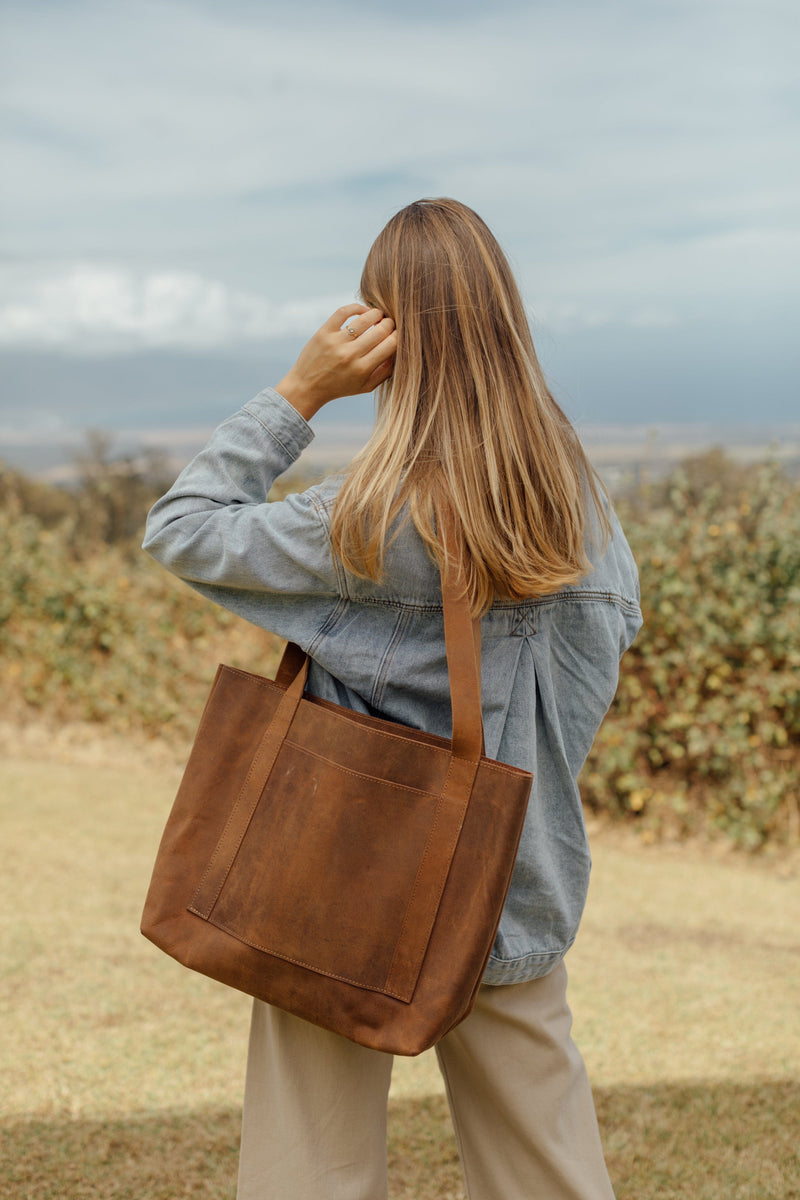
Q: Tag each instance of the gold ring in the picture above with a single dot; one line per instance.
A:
(353, 332)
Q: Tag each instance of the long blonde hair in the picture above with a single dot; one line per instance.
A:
(466, 422)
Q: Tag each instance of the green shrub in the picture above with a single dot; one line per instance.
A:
(107, 635)
(704, 733)
(705, 729)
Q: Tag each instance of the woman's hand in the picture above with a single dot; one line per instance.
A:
(336, 362)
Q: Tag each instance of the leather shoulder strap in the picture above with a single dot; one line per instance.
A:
(463, 646)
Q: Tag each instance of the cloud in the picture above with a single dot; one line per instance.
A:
(180, 173)
(557, 316)
(91, 309)
(157, 121)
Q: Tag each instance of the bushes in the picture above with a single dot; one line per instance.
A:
(108, 636)
(704, 733)
(705, 729)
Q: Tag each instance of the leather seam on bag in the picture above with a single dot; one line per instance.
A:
(260, 680)
(486, 763)
(425, 855)
(329, 706)
(233, 813)
(331, 762)
(270, 684)
(394, 737)
(298, 962)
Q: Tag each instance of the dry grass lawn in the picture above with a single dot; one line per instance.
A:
(122, 1072)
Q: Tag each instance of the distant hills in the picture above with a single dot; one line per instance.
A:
(622, 453)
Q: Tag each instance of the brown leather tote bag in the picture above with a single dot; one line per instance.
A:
(345, 868)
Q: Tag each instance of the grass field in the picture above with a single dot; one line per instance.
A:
(122, 1072)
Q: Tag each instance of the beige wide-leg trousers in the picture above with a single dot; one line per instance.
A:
(314, 1123)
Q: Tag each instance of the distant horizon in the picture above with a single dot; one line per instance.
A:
(614, 446)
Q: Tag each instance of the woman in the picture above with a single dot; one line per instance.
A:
(350, 571)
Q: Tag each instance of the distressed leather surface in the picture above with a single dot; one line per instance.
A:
(348, 869)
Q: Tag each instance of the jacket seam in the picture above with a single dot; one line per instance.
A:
(539, 602)
(596, 597)
(327, 625)
(324, 508)
(323, 516)
(388, 657)
(342, 599)
(292, 456)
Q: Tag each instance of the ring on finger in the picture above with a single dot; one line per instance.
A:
(348, 327)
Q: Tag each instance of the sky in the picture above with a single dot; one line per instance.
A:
(191, 187)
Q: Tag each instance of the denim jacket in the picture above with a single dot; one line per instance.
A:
(549, 664)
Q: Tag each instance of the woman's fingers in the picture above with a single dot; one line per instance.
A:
(336, 363)
(379, 375)
(371, 352)
(376, 365)
(379, 342)
(337, 319)
(365, 337)
(356, 326)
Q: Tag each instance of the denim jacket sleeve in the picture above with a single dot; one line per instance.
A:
(270, 563)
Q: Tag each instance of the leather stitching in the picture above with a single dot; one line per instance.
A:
(358, 774)
(298, 961)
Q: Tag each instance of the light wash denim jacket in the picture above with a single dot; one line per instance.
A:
(549, 664)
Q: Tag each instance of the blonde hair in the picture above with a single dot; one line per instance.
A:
(466, 423)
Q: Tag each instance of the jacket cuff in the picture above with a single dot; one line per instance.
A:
(281, 421)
